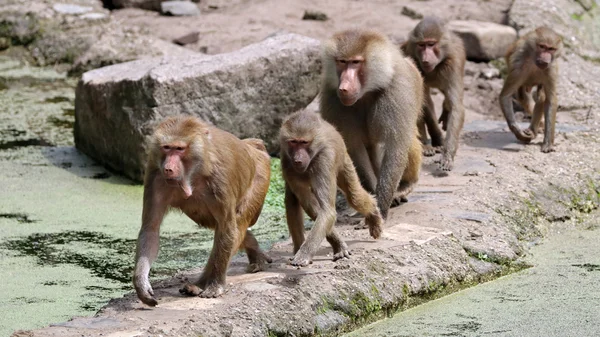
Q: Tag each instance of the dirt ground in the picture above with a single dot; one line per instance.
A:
(457, 229)
(229, 25)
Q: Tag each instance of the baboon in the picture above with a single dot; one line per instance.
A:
(314, 162)
(217, 180)
(531, 63)
(373, 96)
(440, 56)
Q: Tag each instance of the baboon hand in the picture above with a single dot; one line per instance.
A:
(144, 291)
(526, 136)
(375, 222)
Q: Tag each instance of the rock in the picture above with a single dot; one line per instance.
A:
(315, 15)
(153, 5)
(71, 9)
(94, 16)
(484, 41)
(247, 92)
(55, 47)
(122, 46)
(490, 73)
(179, 8)
(4, 43)
(187, 38)
(411, 13)
(19, 26)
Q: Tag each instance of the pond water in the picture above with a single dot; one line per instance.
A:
(558, 296)
(68, 226)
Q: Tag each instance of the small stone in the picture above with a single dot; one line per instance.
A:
(315, 15)
(490, 73)
(187, 38)
(411, 13)
(71, 9)
(179, 8)
(94, 16)
(4, 43)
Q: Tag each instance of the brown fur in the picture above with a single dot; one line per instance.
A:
(228, 180)
(523, 74)
(447, 76)
(379, 129)
(314, 189)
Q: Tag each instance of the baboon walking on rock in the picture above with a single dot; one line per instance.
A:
(531, 62)
(373, 96)
(440, 56)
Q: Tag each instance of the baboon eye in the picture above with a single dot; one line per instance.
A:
(179, 148)
(355, 61)
(166, 147)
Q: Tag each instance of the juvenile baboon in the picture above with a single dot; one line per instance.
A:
(531, 63)
(373, 96)
(217, 180)
(314, 162)
(440, 56)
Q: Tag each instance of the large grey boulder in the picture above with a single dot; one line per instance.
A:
(483, 41)
(247, 92)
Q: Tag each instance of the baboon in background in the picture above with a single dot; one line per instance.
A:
(440, 56)
(314, 163)
(531, 63)
(373, 96)
(218, 181)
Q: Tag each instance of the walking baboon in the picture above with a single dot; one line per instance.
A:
(218, 181)
(315, 163)
(531, 62)
(373, 96)
(440, 56)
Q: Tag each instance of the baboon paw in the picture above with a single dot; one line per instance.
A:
(258, 265)
(397, 201)
(547, 148)
(255, 267)
(190, 290)
(301, 260)
(145, 293)
(375, 225)
(529, 133)
(342, 254)
(375, 231)
(212, 291)
(429, 151)
(446, 164)
(525, 136)
(361, 225)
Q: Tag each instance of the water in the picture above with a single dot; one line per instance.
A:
(67, 226)
(558, 296)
